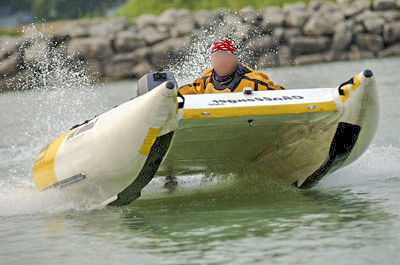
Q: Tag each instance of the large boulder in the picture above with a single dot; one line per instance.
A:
(232, 25)
(108, 28)
(307, 45)
(334, 55)
(258, 47)
(75, 29)
(298, 6)
(145, 21)
(205, 19)
(296, 14)
(94, 68)
(277, 34)
(220, 12)
(151, 36)
(371, 22)
(186, 24)
(393, 50)
(290, 33)
(267, 60)
(273, 18)
(384, 4)
(9, 45)
(90, 48)
(355, 7)
(315, 5)
(262, 44)
(143, 68)
(369, 42)
(135, 56)
(329, 7)
(391, 32)
(231, 19)
(368, 22)
(167, 18)
(358, 28)
(182, 13)
(285, 57)
(10, 65)
(169, 51)
(243, 32)
(127, 40)
(374, 25)
(390, 15)
(356, 53)
(323, 24)
(122, 65)
(297, 18)
(342, 36)
(250, 16)
(309, 59)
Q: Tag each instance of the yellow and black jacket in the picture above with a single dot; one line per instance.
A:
(243, 77)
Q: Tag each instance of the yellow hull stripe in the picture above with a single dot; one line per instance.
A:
(43, 167)
(328, 106)
(175, 98)
(345, 95)
(149, 141)
(354, 86)
(356, 82)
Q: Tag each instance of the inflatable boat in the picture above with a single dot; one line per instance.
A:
(295, 135)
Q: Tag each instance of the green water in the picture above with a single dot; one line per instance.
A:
(350, 217)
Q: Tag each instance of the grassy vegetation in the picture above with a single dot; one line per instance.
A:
(12, 32)
(135, 8)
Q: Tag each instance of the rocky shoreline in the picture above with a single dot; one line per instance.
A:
(294, 34)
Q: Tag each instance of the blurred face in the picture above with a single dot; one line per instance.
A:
(224, 63)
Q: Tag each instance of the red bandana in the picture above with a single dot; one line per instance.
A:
(223, 45)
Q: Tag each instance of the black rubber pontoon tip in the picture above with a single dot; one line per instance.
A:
(368, 73)
(170, 85)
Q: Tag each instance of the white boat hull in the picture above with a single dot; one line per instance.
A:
(103, 156)
(296, 135)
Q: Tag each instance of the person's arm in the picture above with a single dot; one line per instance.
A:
(265, 83)
(197, 87)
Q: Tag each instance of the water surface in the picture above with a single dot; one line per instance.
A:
(350, 217)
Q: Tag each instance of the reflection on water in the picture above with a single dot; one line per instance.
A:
(229, 227)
